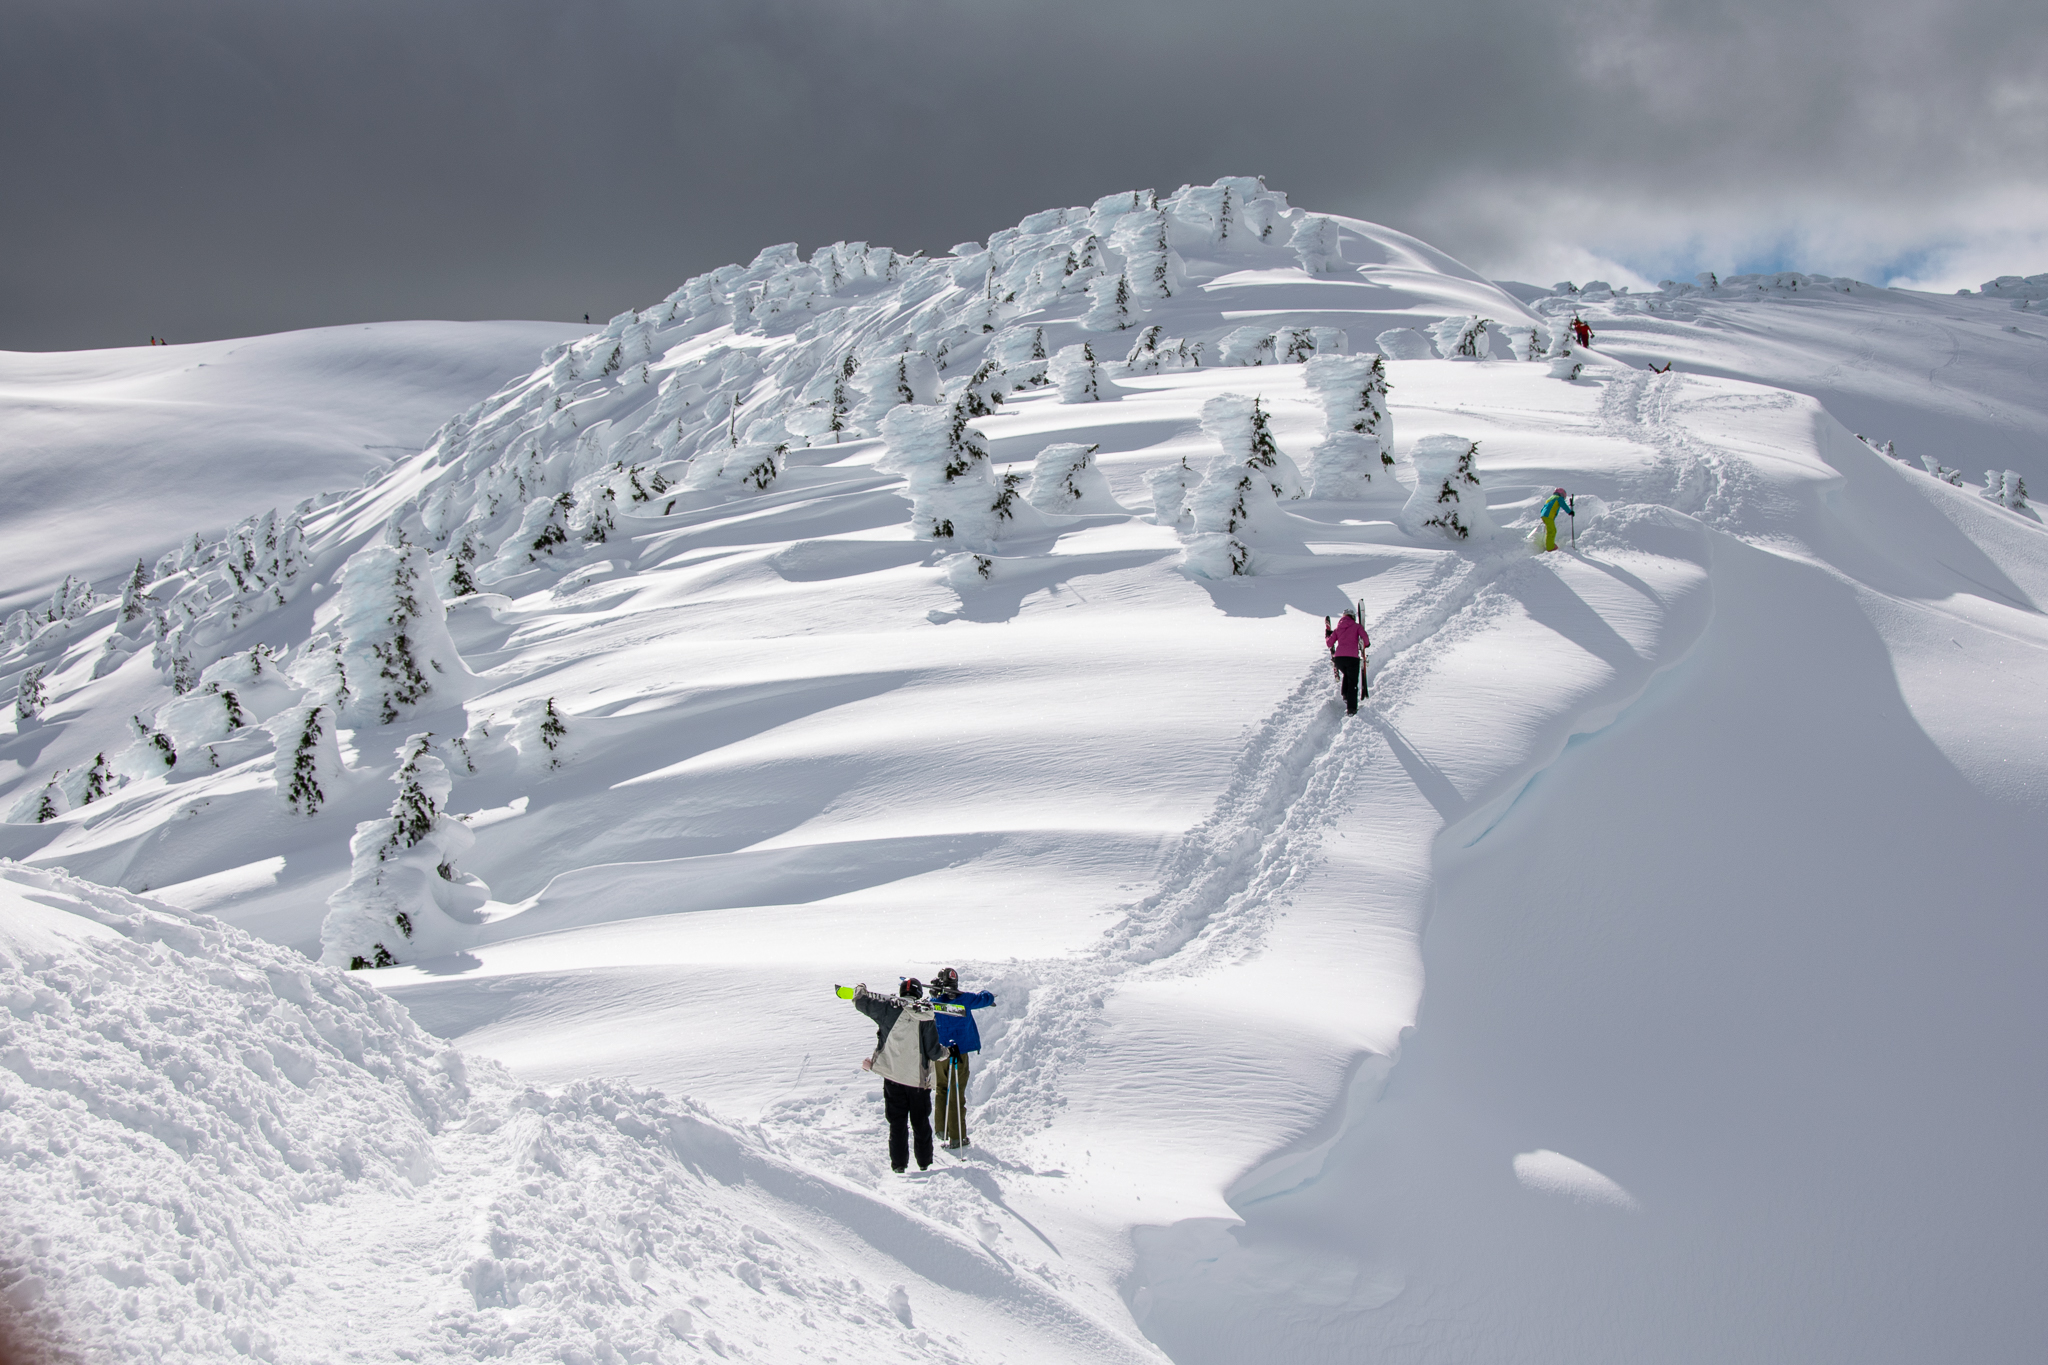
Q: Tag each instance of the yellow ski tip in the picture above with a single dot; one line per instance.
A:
(843, 992)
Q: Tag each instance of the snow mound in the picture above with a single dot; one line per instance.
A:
(179, 1094)
(212, 1149)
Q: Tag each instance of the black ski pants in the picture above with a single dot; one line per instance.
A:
(908, 1105)
(1347, 670)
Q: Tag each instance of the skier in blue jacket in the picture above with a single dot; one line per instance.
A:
(954, 1015)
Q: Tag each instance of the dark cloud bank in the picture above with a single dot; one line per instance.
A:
(215, 169)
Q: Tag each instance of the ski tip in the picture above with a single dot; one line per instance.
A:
(843, 992)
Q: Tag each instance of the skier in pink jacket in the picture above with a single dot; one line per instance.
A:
(1348, 642)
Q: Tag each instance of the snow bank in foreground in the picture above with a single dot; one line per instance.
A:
(176, 1095)
(212, 1149)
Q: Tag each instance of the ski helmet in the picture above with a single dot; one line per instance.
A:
(946, 980)
(911, 989)
(1558, 491)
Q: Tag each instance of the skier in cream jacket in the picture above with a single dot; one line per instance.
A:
(906, 1045)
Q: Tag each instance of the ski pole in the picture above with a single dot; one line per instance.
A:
(1571, 509)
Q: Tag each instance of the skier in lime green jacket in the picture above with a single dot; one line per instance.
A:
(1558, 503)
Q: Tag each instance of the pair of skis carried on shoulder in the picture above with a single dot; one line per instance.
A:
(954, 1116)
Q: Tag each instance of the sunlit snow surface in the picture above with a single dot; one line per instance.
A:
(118, 453)
(1713, 837)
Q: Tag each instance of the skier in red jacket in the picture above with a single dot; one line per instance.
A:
(1348, 642)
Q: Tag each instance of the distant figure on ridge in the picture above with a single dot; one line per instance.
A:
(957, 1037)
(1558, 503)
(906, 1045)
(1347, 644)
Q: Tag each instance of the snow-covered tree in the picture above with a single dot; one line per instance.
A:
(1944, 473)
(28, 699)
(953, 490)
(1404, 343)
(396, 647)
(1565, 361)
(1296, 344)
(1076, 375)
(1064, 479)
(308, 758)
(1247, 346)
(1315, 244)
(1170, 486)
(152, 745)
(133, 593)
(2005, 487)
(1144, 357)
(1447, 497)
(1112, 305)
(1022, 354)
(1463, 338)
(72, 599)
(1152, 266)
(1358, 437)
(1240, 490)
(893, 381)
(1527, 342)
(404, 899)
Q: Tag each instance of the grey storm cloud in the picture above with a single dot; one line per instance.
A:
(211, 169)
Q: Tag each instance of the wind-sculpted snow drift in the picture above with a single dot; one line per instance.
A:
(863, 612)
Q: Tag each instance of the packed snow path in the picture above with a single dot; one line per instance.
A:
(806, 745)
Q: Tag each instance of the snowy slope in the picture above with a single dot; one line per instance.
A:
(218, 430)
(1631, 806)
(1955, 378)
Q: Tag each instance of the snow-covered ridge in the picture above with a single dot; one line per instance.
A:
(713, 393)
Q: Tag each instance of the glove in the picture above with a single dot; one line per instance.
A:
(867, 1064)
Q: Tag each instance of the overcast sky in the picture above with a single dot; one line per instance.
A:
(198, 170)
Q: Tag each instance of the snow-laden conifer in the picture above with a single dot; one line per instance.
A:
(1564, 357)
(1447, 499)
(28, 697)
(1404, 343)
(1358, 438)
(1247, 346)
(1295, 345)
(2005, 487)
(1241, 489)
(396, 649)
(1112, 304)
(1065, 479)
(954, 494)
(1021, 352)
(1316, 244)
(152, 746)
(1075, 373)
(890, 382)
(1144, 355)
(133, 593)
(1463, 338)
(1527, 342)
(1944, 473)
(308, 763)
(405, 899)
(1151, 265)
(1170, 486)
